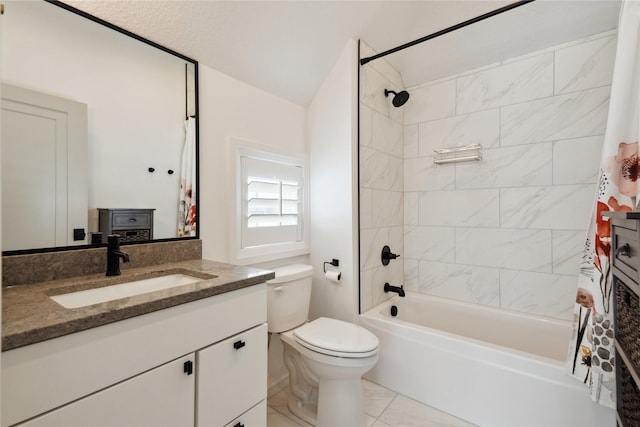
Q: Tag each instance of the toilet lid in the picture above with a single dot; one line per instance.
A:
(335, 337)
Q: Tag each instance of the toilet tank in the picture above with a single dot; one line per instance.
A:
(288, 297)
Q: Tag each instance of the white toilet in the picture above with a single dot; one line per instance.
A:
(325, 357)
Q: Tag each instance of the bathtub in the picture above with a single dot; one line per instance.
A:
(487, 366)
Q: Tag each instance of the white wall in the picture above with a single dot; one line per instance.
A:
(332, 136)
(230, 108)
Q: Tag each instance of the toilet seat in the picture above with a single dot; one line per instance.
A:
(336, 338)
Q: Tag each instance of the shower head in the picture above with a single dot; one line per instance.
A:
(399, 98)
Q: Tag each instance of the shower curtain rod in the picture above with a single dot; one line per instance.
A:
(510, 6)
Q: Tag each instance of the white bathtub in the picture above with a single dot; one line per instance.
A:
(487, 366)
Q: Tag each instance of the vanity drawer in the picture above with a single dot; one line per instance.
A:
(254, 417)
(132, 219)
(626, 251)
(132, 225)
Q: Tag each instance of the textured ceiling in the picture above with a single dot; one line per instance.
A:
(288, 47)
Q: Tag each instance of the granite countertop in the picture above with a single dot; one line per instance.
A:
(30, 316)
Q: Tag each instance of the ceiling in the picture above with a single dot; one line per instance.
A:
(287, 48)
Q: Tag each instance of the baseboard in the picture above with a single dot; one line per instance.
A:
(278, 385)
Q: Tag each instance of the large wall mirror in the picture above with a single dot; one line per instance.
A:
(95, 121)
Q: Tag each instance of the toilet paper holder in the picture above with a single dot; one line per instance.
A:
(332, 275)
(334, 262)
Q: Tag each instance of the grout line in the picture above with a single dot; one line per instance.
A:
(553, 76)
(387, 407)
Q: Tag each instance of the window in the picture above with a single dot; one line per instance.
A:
(271, 202)
(271, 205)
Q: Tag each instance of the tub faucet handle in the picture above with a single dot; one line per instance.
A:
(387, 255)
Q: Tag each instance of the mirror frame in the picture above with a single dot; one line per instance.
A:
(197, 153)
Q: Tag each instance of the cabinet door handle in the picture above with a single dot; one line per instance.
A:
(188, 367)
(624, 250)
(238, 424)
(239, 344)
(132, 220)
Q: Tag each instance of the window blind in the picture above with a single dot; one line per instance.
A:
(271, 202)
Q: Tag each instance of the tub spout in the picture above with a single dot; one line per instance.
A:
(398, 289)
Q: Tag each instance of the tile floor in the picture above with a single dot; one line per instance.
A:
(383, 408)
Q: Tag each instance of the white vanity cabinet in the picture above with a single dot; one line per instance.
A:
(133, 372)
(161, 397)
(234, 367)
(256, 416)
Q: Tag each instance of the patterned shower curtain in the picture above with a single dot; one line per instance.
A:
(591, 352)
(187, 203)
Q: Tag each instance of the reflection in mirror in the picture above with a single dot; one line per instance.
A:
(121, 141)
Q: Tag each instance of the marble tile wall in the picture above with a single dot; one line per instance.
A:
(506, 231)
(381, 179)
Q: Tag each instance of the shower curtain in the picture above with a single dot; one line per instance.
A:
(187, 203)
(591, 352)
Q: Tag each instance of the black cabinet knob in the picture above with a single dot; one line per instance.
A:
(239, 344)
(188, 367)
(238, 424)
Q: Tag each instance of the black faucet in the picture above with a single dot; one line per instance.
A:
(389, 288)
(387, 255)
(113, 256)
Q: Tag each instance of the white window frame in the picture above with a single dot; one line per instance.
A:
(269, 251)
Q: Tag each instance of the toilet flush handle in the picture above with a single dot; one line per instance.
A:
(279, 289)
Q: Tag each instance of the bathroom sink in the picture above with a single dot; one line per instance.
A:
(126, 289)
